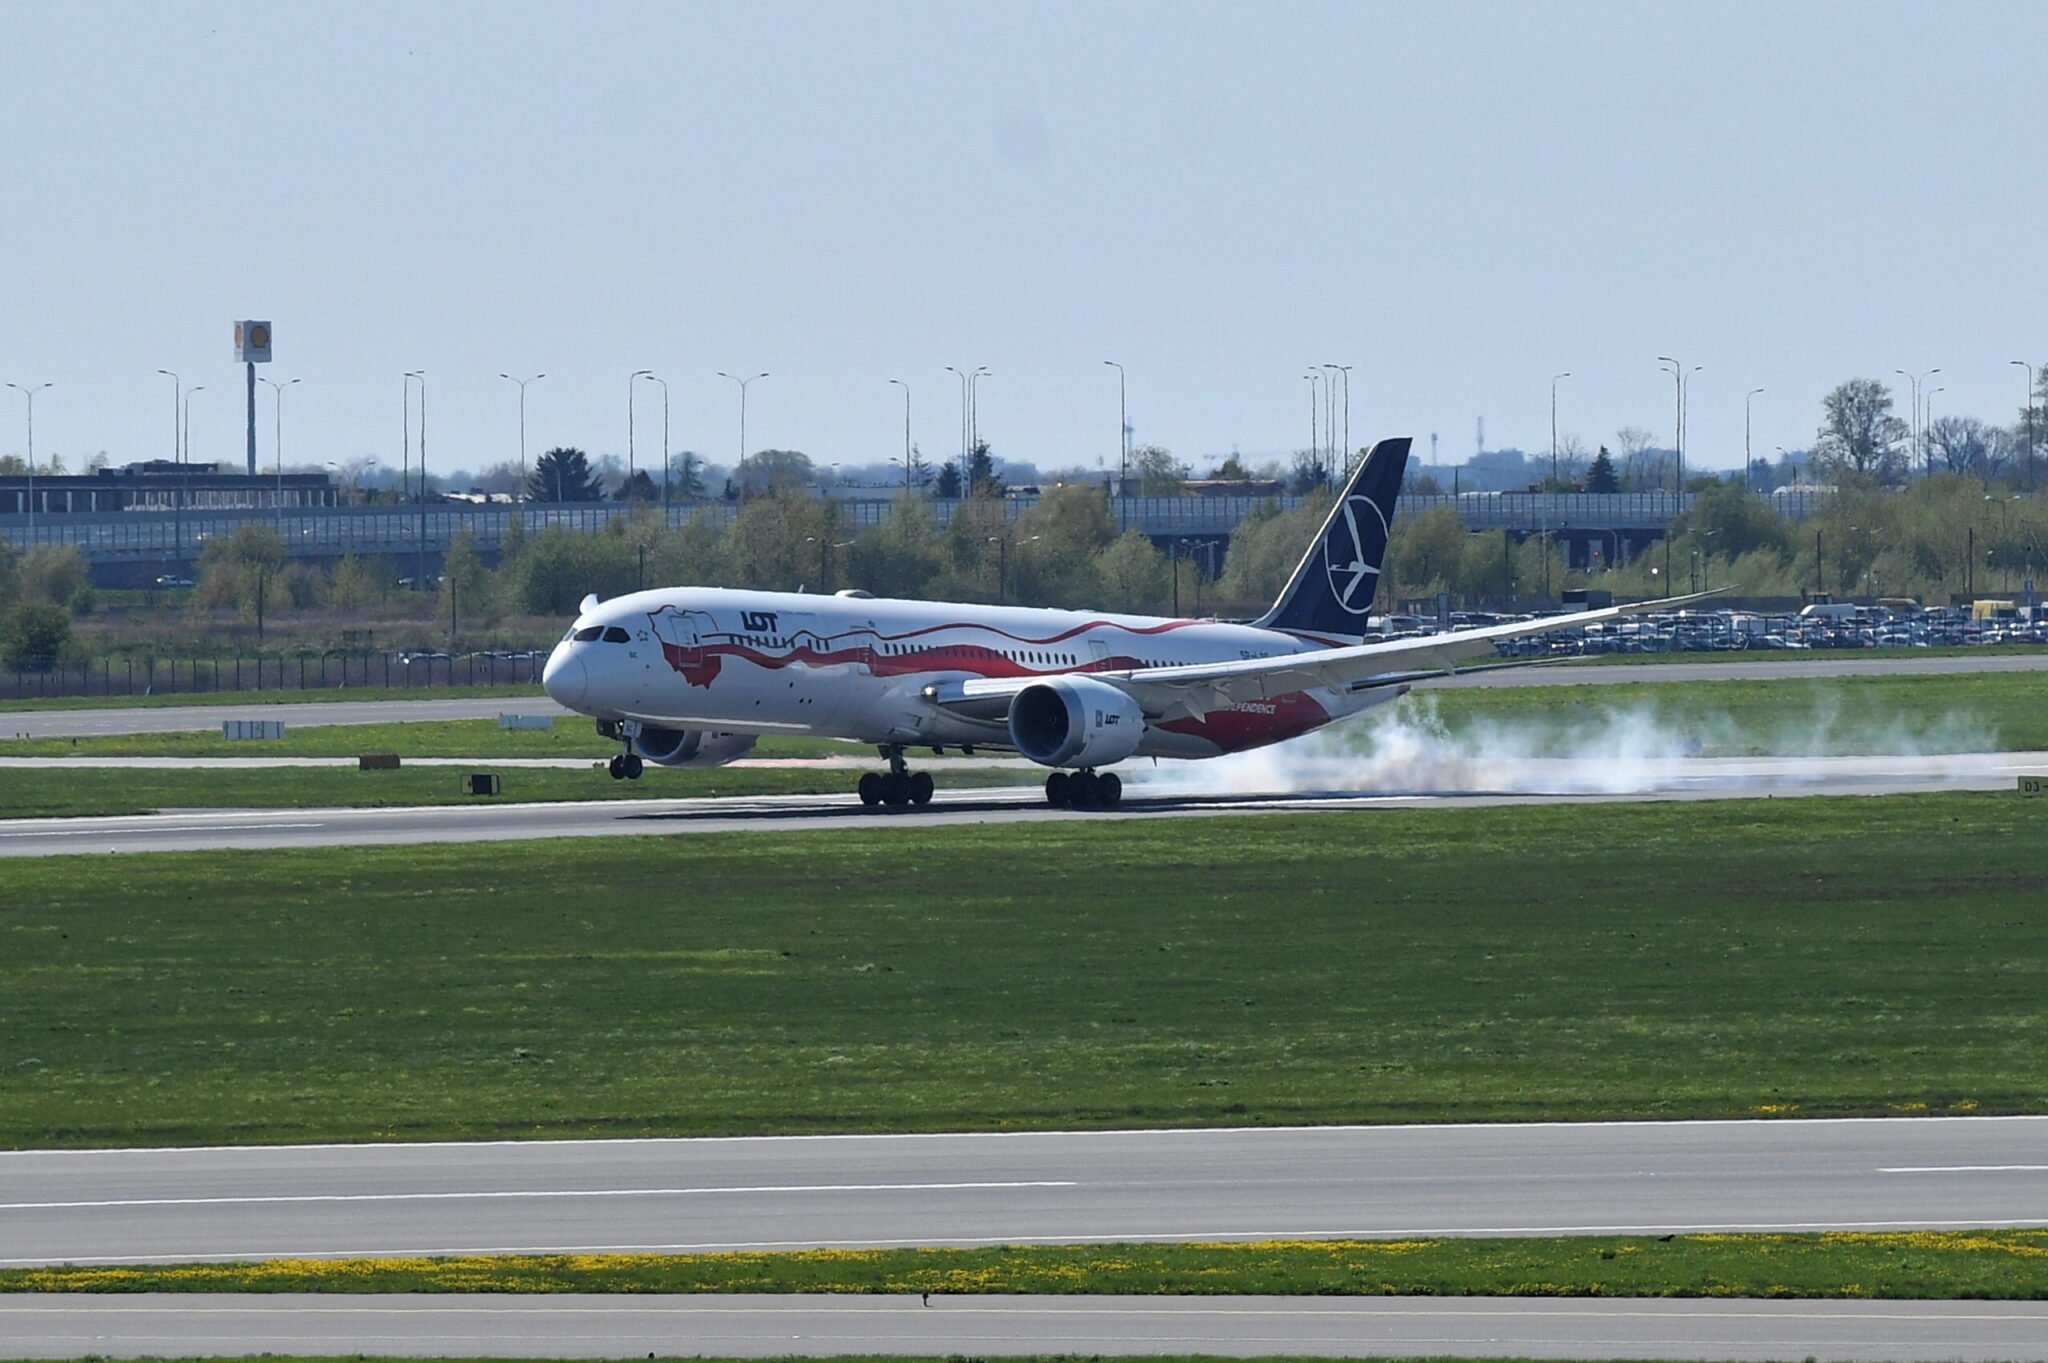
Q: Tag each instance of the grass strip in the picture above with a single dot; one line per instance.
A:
(2009, 1265)
(1842, 956)
(570, 736)
(511, 692)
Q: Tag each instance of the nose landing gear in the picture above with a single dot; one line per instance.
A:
(897, 787)
(1084, 789)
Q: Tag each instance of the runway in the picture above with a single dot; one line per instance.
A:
(1535, 781)
(774, 1326)
(29, 723)
(126, 1206)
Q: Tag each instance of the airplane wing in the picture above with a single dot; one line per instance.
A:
(1168, 692)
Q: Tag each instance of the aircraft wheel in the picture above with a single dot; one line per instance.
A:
(617, 766)
(921, 788)
(634, 766)
(1084, 791)
(1058, 789)
(1112, 787)
(896, 789)
(871, 788)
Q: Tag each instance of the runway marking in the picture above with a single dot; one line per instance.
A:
(154, 829)
(1070, 1238)
(1816, 1310)
(1758, 1124)
(1967, 1169)
(513, 1193)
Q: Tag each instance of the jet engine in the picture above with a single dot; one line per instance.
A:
(689, 747)
(1075, 722)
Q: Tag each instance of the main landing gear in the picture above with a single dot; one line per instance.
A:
(1083, 790)
(897, 787)
(626, 766)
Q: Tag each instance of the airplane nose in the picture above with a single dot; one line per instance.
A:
(565, 678)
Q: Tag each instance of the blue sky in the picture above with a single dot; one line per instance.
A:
(1461, 200)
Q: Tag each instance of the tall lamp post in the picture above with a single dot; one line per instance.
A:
(1123, 439)
(1919, 444)
(1682, 378)
(419, 580)
(1315, 431)
(1553, 426)
(1747, 464)
(906, 431)
(974, 413)
(632, 387)
(1927, 435)
(1345, 370)
(961, 375)
(277, 442)
(522, 425)
(177, 461)
(652, 377)
(743, 382)
(2030, 421)
(1330, 414)
(29, 391)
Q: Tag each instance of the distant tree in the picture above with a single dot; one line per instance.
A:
(982, 478)
(1159, 473)
(1728, 521)
(1859, 436)
(1964, 444)
(53, 574)
(239, 569)
(641, 487)
(779, 469)
(1307, 474)
(686, 476)
(1231, 470)
(563, 475)
(10, 573)
(33, 635)
(947, 484)
(1601, 476)
(465, 582)
(1134, 572)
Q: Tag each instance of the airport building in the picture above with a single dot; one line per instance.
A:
(162, 485)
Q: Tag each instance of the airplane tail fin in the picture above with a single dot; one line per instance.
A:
(1331, 592)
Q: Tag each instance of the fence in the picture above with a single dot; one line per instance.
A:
(319, 672)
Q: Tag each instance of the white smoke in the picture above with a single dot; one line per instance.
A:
(1594, 749)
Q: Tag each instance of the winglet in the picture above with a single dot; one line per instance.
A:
(1332, 590)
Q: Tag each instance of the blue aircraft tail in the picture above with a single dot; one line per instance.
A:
(1331, 592)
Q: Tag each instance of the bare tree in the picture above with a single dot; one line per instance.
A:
(1571, 461)
(1964, 444)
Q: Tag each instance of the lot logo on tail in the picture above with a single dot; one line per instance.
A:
(1352, 553)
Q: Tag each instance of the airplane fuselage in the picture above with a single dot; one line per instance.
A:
(859, 668)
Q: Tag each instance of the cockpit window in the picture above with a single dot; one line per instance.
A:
(588, 632)
(615, 635)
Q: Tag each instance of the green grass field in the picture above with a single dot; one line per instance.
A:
(570, 736)
(2009, 1265)
(1841, 956)
(1949, 712)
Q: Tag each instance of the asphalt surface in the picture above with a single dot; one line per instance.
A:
(1457, 784)
(774, 1326)
(192, 718)
(121, 1206)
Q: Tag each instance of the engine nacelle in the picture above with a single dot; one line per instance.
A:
(1075, 722)
(689, 747)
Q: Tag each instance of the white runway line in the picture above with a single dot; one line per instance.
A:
(523, 1193)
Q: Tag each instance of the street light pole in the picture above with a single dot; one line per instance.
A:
(1553, 426)
(632, 386)
(277, 443)
(29, 391)
(1123, 438)
(1315, 432)
(1927, 437)
(1747, 463)
(974, 411)
(419, 580)
(1919, 444)
(906, 431)
(2030, 421)
(743, 382)
(522, 425)
(1330, 414)
(961, 374)
(652, 377)
(1345, 370)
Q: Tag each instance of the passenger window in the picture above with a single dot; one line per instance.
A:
(588, 633)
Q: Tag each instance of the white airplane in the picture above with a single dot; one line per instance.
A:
(692, 676)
